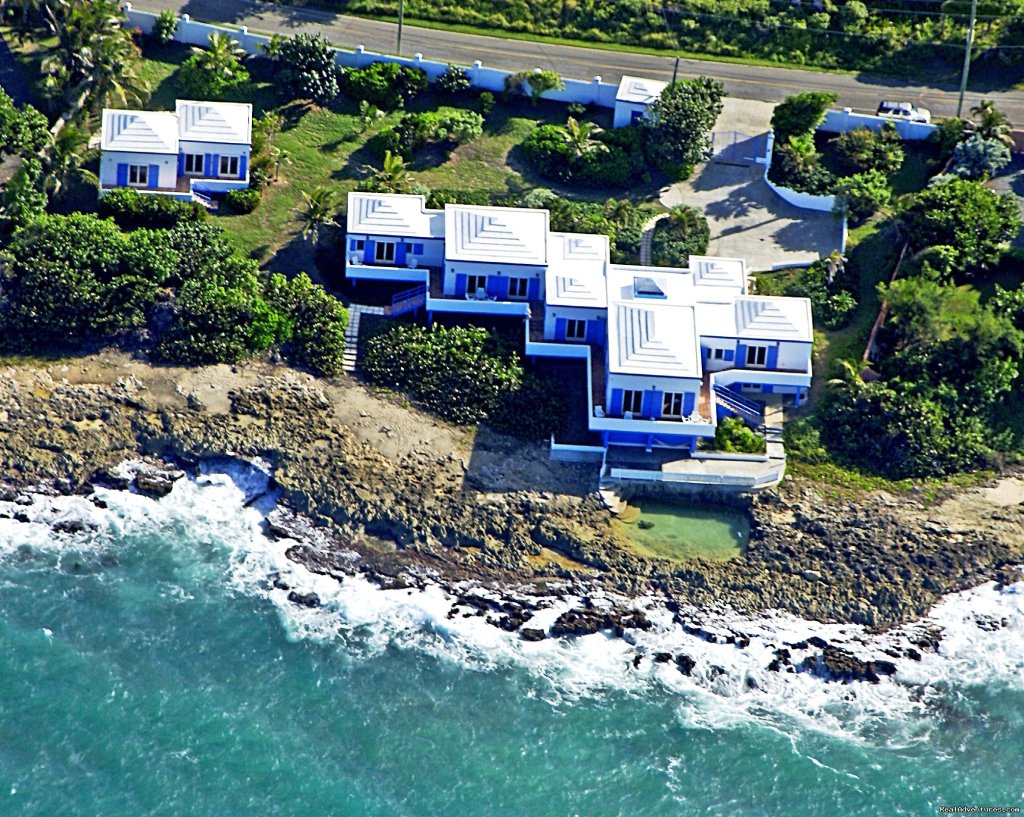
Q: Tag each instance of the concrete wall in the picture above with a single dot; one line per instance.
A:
(840, 121)
(191, 32)
(806, 201)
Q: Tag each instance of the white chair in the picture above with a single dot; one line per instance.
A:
(599, 411)
(628, 415)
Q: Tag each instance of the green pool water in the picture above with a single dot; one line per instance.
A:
(686, 530)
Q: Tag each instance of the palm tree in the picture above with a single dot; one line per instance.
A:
(222, 57)
(64, 159)
(392, 177)
(580, 136)
(279, 157)
(95, 63)
(368, 114)
(991, 122)
(321, 204)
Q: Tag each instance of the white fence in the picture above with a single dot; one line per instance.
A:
(841, 121)
(191, 32)
(822, 204)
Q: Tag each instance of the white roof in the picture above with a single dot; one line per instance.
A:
(139, 131)
(576, 270)
(510, 235)
(639, 90)
(728, 273)
(393, 214)
(227, 123)
(773, 318)
(652, 339)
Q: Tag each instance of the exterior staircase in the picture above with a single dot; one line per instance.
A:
(407, 301)
(351, 353)
(739, 405)
(647, 237)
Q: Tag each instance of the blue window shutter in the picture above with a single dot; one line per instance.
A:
(368, 255)
(730, 354)
(615, 406)
(772, 360)
(351, 244)
(595, 332)
(154, 176)
(243, 166)
(533, 289)
(766, 388)
(207, 165)
(460, 286)
(688, 400)
(497, 286)
(651, 405)
(181, 164)
(559, 328)
(400, 253)
(122, 175)
(741, 354)
(215, 166)
(417, 249)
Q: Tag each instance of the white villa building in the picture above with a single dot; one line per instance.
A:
(668, 352)
(202, 148)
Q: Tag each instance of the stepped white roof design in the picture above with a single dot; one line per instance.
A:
(728, 273)
(576, 269)
(639, 90)
(495, 235)
(773, 318)
(652, 339)
(393, 214)
(139, 131)
(226, 123)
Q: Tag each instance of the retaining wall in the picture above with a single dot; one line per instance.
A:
(192, 32)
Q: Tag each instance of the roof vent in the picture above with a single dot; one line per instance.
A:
(647, 288)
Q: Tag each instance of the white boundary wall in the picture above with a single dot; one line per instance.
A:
(822, 204)
(191, 32)
(837, 121)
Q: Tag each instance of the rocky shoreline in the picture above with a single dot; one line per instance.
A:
(398, 496)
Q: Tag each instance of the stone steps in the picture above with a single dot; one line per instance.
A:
(350, 356)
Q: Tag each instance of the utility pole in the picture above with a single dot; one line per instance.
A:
(675, 71)
(401, 16)
(967, 57)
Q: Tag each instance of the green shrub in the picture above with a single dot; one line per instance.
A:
(165, 27)
(454, 80)
(979, 158)
(828, 286)
(949, 133)
(485, 103)
(387, 85)
(197, 81)
(23, 199)
(23, 131)
(533, 84)
(796, 168)
(306, 68)
(732, 434)
(316, 322)
(863, 149)
(684, 233)
(439, 198)
(548, 152)
(800, 114)
(461, 374)
(681, 122)
(862, 195)
(242, 201)
(415, 131)
(534, 411)
(131, 209)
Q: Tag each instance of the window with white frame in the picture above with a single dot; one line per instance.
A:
(384, 252)
(194, 164)
(517, 288)
(476, 284)
(575, 329)
(632, 401)
(716, 354)
(229, 166)
(672, 404)
(757, 355)
(138, 175)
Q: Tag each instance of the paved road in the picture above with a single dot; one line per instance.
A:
(742, 81)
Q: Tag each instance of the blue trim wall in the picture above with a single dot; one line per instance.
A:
(651, 405)
(615, 405)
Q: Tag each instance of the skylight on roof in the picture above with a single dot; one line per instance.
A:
(644, 287)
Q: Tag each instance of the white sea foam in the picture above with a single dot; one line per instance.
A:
(982, 642)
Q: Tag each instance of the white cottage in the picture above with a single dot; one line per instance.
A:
(201, 148)
(634, 99)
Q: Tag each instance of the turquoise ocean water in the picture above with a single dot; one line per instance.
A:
(149, 668)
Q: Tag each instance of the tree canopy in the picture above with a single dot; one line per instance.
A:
(682, 120)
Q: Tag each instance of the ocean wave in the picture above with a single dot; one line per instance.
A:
(221, 514)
